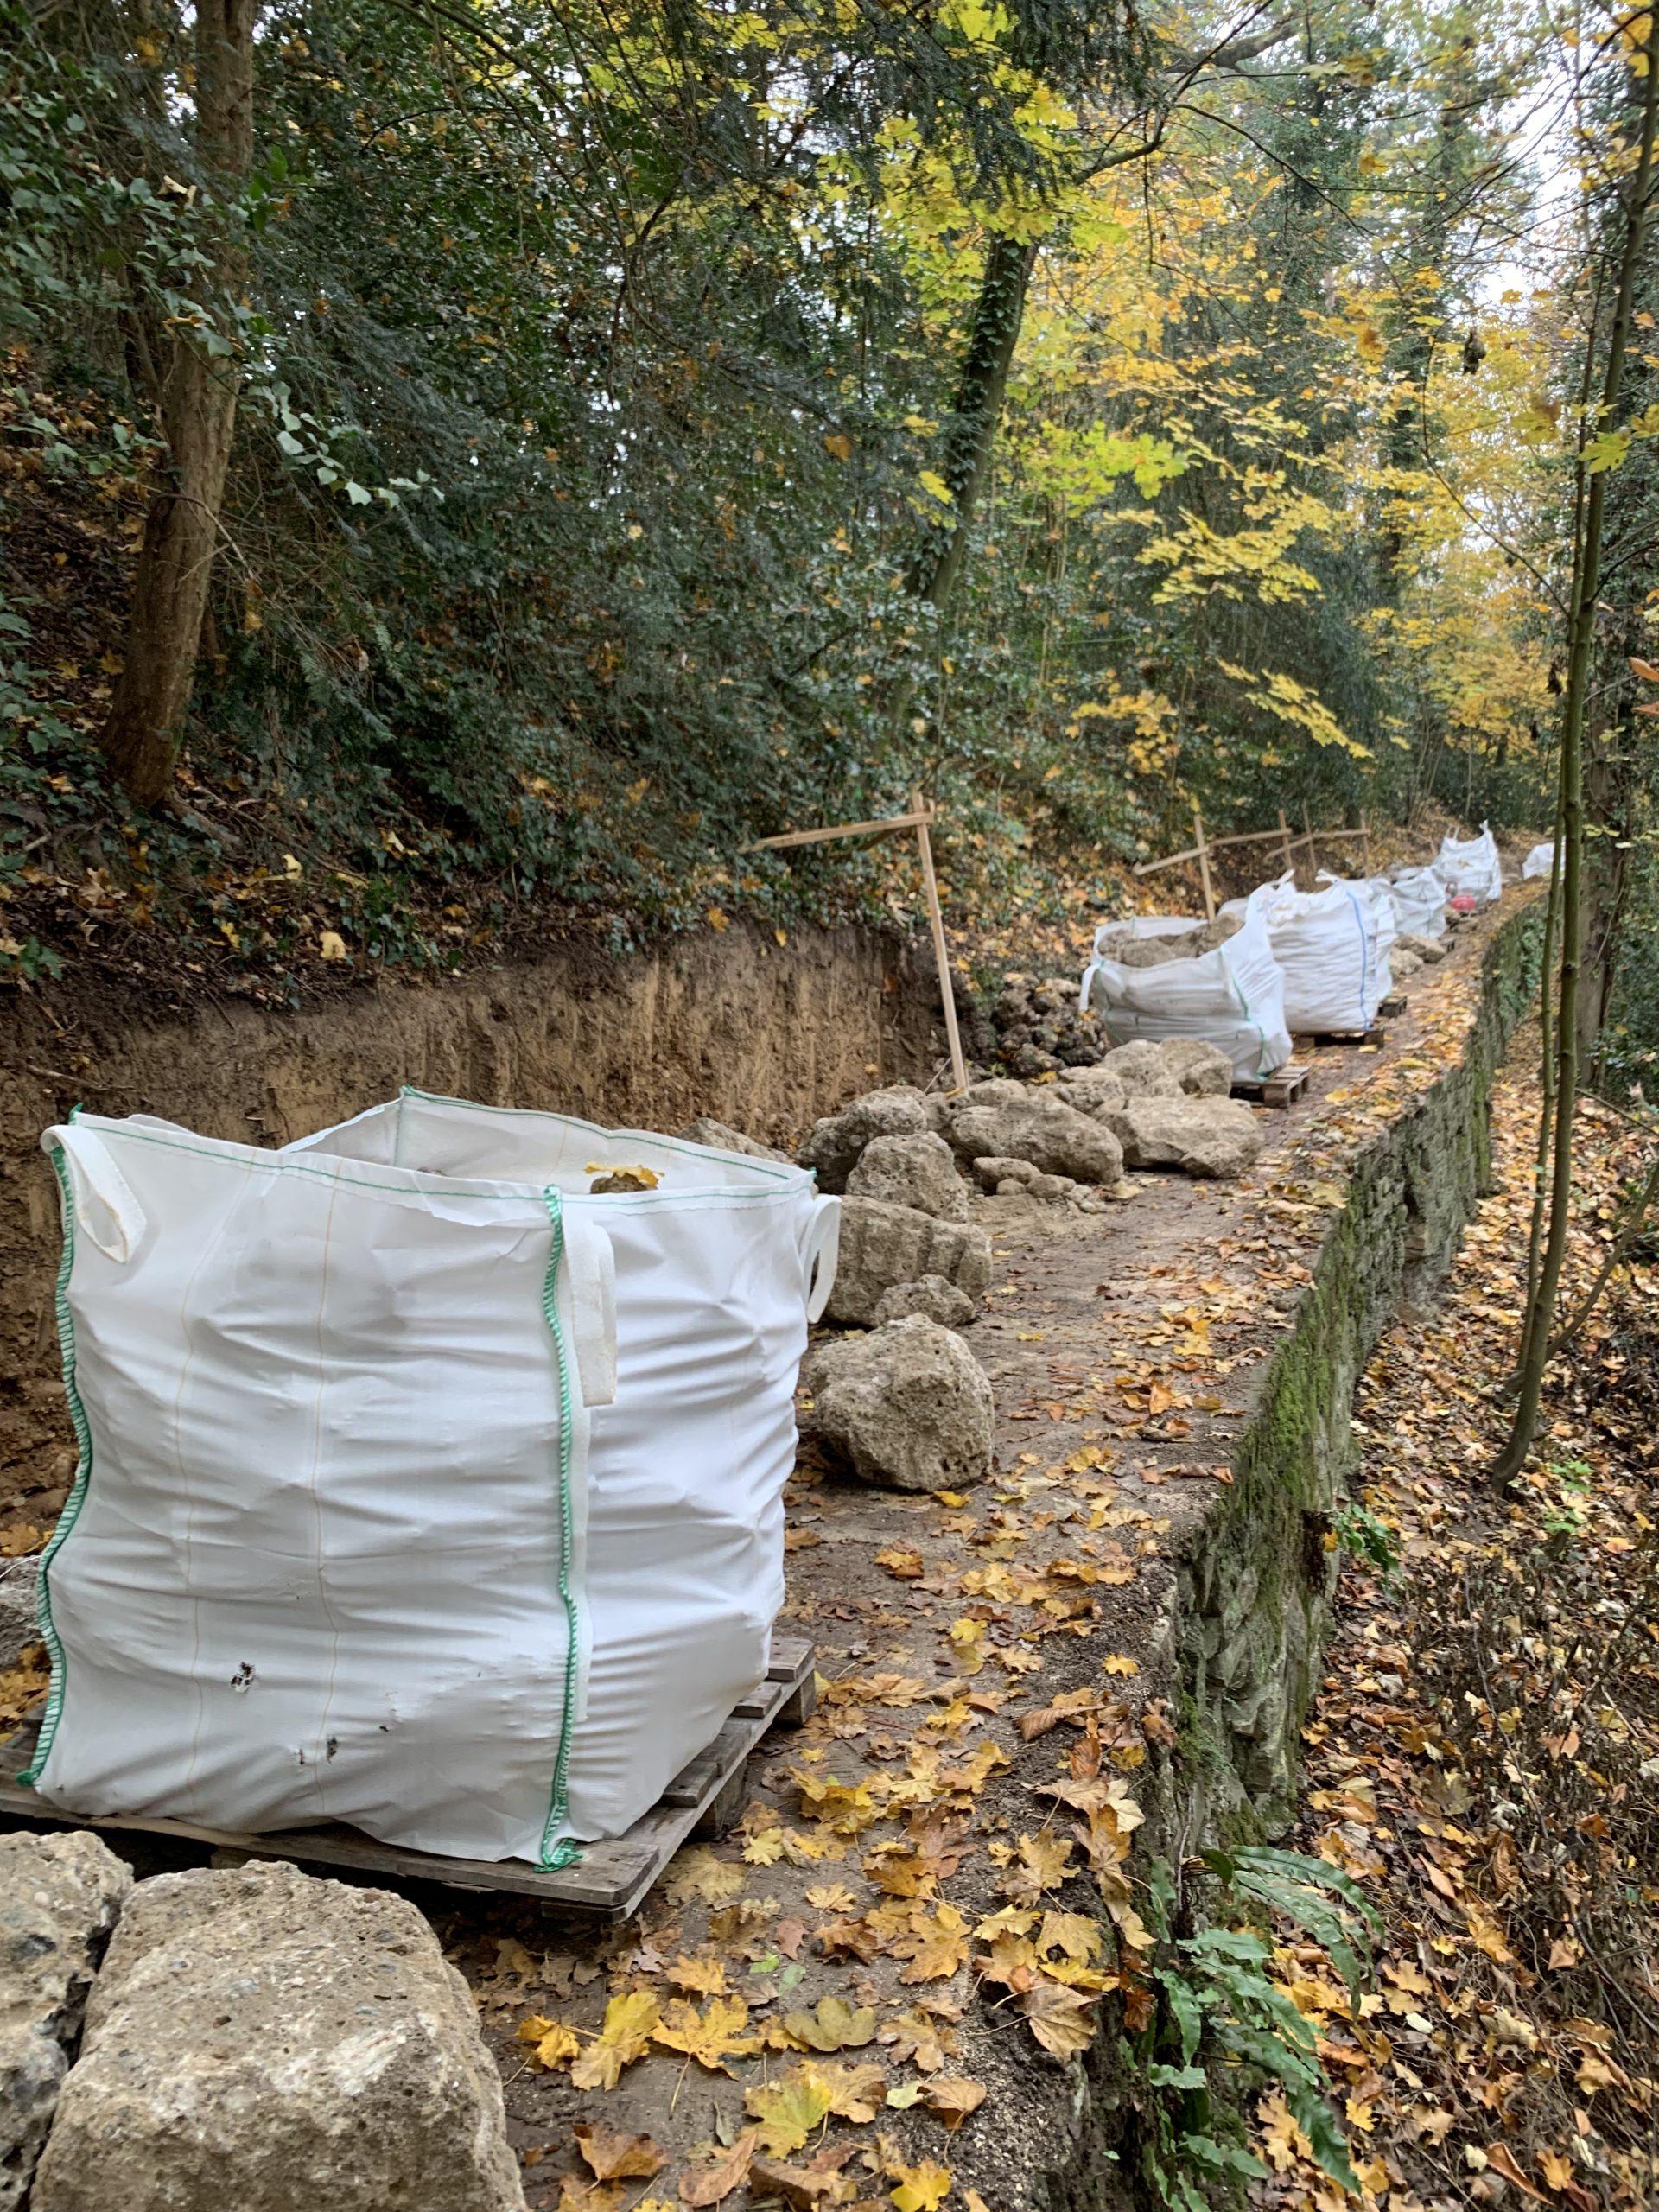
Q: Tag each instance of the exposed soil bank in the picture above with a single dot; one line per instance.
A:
(762, 1035)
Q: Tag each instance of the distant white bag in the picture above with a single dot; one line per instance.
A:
(1419, 902)
(1540, 861)
(419, 1488)
(1332, 946)
(1232, 997)
(1471, 865)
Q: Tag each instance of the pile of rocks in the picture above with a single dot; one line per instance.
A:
(254, 2038)
(1130, 951)
(907, 1405)
(1039, 1027)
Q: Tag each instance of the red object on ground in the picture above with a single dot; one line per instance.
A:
(1462, 904)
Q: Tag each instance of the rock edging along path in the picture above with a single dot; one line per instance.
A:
(900, 1979)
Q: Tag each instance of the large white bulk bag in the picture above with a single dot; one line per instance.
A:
(1540, 861)
(1471, 865)
(1332, 946)
(1232, 997)
(1419, 902)
(347, 1542)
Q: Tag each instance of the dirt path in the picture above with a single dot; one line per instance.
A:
(977, 1652)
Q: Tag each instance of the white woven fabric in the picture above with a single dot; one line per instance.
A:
(1232, 997)
(420, 1488)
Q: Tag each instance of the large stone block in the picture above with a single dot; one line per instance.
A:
(1199, 1136)
(260, 2041)
(908, 1406)
(833, 1145)
(1041, 1127)
(918, 1170)
(883, 1246)
(59, 1896)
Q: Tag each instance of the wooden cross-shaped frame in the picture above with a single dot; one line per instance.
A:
(920, 815)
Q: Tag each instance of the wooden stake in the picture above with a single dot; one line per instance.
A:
(941, 950)
(1284, 832)
(1365, 840)
(1204, 866)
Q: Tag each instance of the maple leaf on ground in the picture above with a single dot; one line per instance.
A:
(616, 2157)
(899, 1874)
(856, 2093)
(920, 2189)
(917, 2035)
(1062, 2020)
(902, 1561)
(1074, 1933)
(788, 2110)
(935, 1944)
(699, 1977)
(1043, 1864)
(628, 2030)
(834, 2025)
(698, 1877)
(711, 2184)
(577, 2193)
(844, 1807)
(952, 2097)
(711, 2037)
(802, 2188)
(555, 2042)
(831, 1897)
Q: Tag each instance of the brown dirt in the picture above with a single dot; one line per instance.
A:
(761, 1036)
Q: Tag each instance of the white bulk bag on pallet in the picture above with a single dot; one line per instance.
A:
(1332, 946)
(1471, 865)
(347, 1542)
(1233, 997)
(1419, 902)
(1540, 861)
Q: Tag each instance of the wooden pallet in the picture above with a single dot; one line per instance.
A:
(609, 1882)
(1391, 1009)
(1321, 1037)
(1282, 1087)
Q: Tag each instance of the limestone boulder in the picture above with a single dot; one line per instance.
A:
(1431, 951)
(917, 1171)
(1403, 962)
(264, 2040)
(1202, 1070)
(938, 1300)
(1143, 1071)
(1092, 1090)
(907, 1407)
(1197, 1136)
(19, 1586)
(1008, 1176)
(705, 1131)
(59, 1897)
(834, 1143)
(884, 1246)
(1039, 1127)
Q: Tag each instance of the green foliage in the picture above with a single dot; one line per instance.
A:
(1218, 2007)
(598, 375)
(1363, 1536)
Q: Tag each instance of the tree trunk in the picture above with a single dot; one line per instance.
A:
(1581, 637)
(971, 431)
(199, 396)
